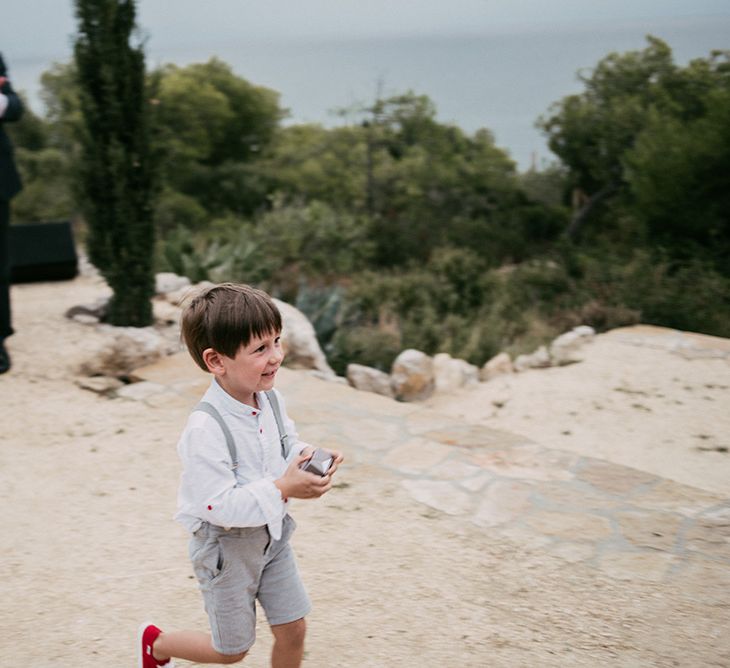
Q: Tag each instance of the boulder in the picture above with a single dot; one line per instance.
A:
(451, 374)
(165, 313)
(540, 359)
(368, 379)
(565, 349)
(412, 376)
(168, 282)
(300, 341)
(585, 331)
(124, 349)
(496, 366)
(180, 296)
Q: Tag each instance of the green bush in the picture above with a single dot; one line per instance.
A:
(689, 295)
(174, 209)
(366, 345)
(47, 193)
(318, 239)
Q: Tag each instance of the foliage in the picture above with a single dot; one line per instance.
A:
(679, 177)
(232, 255)
(46, 194)
(116, 170)
(309, 162)
(396, 230)
(651, 287)
(210, 125)
(367, 345)
(45, 165)
(61, 96)
(637, 108)
(306, 241)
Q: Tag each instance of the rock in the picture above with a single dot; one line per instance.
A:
(124, 349)
(168, 282)
(300, 341)
(540, 359)
(100, 384)
(165, 313)
(180, 296)
(565, 349)
(584, 331)
(499, 364)
(412, 376)
(368, 379)
(96, 310)
(451, 374)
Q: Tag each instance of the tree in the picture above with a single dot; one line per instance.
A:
(310, 162)
(116, 166)
(592, 131)
(212, 125)
(678, 173)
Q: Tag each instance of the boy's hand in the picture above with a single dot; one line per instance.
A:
(299, 484)
(336, 461)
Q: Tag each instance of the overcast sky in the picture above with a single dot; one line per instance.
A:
(43, 28)
(485, 63)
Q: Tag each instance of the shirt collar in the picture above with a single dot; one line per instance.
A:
(230, 404)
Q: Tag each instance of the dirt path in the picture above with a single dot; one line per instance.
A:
(89, 548)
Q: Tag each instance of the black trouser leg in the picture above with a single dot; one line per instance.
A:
(6, 328)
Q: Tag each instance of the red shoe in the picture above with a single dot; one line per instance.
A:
(146, 636)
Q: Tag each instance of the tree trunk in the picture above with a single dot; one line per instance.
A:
(582, 214)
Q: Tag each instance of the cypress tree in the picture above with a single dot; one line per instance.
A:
(115, 171)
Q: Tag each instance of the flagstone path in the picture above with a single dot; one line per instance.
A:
(624, 522)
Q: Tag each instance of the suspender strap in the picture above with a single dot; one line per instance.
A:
(213, 412)
(283, 436)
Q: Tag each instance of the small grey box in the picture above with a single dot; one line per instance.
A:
(318, 463)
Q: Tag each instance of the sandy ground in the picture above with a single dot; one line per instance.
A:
(88, 548)
(633, 400)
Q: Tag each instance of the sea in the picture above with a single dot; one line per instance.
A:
(503, 80)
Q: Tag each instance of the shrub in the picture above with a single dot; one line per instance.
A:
(366, 345)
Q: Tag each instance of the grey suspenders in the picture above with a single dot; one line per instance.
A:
(213, 412)
(283, 436)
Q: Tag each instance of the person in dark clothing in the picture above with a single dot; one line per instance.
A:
(11, 109)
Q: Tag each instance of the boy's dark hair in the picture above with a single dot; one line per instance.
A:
(225, 317)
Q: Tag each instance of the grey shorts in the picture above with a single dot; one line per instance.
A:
(237, 566)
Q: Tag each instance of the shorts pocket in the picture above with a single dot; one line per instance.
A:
(208, 560)
(288, 526)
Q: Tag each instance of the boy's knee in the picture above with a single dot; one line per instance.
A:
(298, 631)
(232, 658)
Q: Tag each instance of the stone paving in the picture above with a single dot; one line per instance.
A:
(626, 523)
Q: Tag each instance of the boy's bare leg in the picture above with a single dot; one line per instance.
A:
(190, 645)
(288, 644)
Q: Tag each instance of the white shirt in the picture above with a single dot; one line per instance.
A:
(208, 490)
(3, 104)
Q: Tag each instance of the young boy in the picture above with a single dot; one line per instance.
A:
(236, 511)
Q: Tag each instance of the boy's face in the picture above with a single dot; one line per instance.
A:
(253, 369)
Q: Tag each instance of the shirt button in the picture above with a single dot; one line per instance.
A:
(261, 431)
